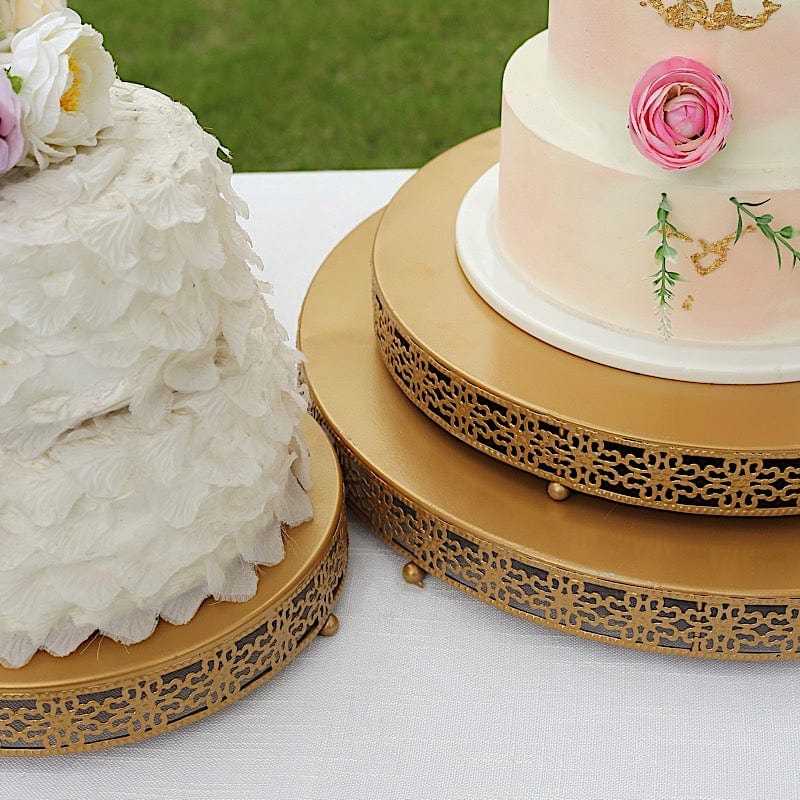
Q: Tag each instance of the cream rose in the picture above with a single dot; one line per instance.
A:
(66, 86)
(18, 14)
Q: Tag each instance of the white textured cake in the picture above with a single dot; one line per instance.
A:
(149, 443)
(622, 103)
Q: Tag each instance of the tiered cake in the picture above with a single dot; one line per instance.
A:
(150, 448)
(641, 219)
(587, 155)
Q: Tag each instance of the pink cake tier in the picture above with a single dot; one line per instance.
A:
(576, 198)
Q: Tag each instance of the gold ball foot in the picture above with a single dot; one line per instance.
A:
(558, 492)
(413, 574)
(331, 626)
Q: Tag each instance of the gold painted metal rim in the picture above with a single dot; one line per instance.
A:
(552, 424)
(707, 587)
(612, 612)
(107, 695)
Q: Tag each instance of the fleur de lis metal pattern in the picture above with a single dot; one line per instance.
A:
(601, 463)
(85, 718)
(566, 599)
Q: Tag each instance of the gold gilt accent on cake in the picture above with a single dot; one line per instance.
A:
(688, 13)
(719, 250)
(688, 303)
(676, 234)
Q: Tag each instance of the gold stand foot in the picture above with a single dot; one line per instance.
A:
(558, 492)
(414, 575)
(331, 626)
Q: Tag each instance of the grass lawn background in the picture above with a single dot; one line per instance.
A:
(317, 84)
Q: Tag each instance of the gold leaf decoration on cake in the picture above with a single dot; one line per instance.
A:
(688, 303)
(720, 250)
(683, 237)
(688, 13)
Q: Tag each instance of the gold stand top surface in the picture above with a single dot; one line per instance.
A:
(101, 661)
(679, 555)
(417, 273)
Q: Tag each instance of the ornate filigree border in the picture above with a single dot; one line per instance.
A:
(626, 470)
(640, 617)
(105, 715)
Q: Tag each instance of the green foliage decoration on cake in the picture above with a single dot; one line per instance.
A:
(779, 238)
(665, 280)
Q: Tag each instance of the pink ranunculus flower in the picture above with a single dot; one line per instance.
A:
(12, 140)
(681, 113)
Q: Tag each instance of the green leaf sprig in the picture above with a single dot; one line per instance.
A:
(665, 279)
(16, 81)
(779, 238)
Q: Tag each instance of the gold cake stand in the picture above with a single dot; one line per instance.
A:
(107, 695)
(697, 448)
(673, 583)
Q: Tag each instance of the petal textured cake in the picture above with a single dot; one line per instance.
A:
(149, 443)
(660, 128)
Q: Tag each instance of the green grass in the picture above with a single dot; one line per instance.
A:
(317, 84)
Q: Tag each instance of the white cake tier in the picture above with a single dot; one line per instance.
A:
(149, 411)
(575, 208)
(513, 294)
(600, 48)
(119, 270)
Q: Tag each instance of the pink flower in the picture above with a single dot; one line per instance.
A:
(681, 113)
(12, 142)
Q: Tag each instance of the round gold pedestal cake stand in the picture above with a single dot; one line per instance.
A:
(106, 694)
(697, 448)
(705, 586)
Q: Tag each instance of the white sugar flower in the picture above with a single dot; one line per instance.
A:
(18, 14)
(66, 86)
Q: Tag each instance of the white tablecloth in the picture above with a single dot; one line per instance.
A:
(429, 694)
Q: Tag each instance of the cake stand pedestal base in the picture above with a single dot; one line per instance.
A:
(674, 445)
(704, 586)
(106, 694)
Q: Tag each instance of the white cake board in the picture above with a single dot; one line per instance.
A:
(515, 296)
